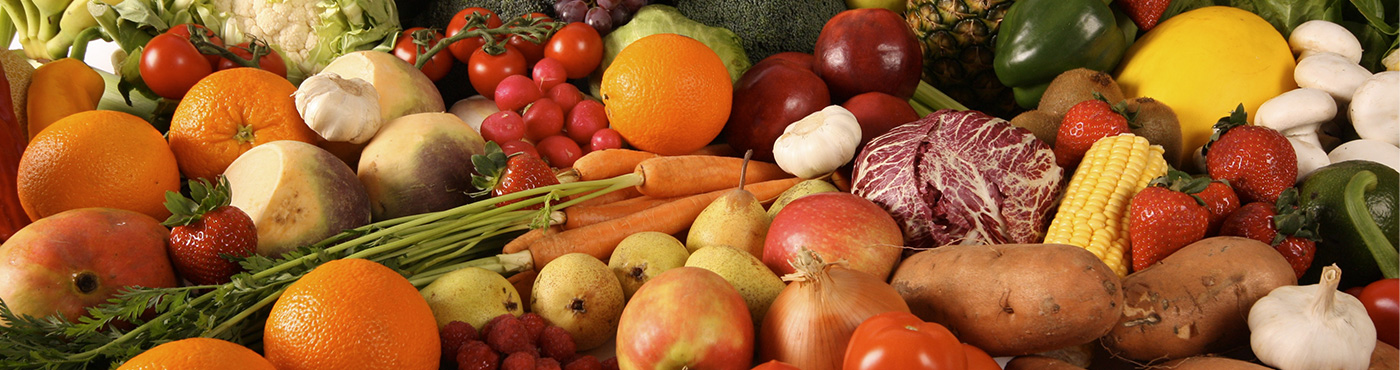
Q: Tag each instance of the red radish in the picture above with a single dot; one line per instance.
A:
(543, 118)
(879, 112)
(549, 72)
(516, 91)
(517, 146)
(567, 95)
(503, 126)
(559, 150)
(605, 139)
(586, 118)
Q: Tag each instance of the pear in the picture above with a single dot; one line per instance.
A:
(642, 256)
(736, 219)
(758, 284)
(472, 295)
(804, 188)
(578, 293)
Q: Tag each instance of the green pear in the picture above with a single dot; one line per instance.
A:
(642, 256)
(804, 188)
(735, 219)
(758, 284)
(472, 295)
(578, 293)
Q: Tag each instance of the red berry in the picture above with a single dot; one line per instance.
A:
(476, 355)
(555, 342)
(519, 361)
(610, 364)
(454, 335)
(585, 362)
(509, 336)
(534, 324)
(486, 328)
(547, 364)
(1084, 124)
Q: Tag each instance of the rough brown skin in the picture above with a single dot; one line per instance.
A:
(1384, 357)
(1158, 123)
(1075, 86)
(1209, 363)
(1034, 362)
(1013, 299)
(1044, 125)
(1196, 300)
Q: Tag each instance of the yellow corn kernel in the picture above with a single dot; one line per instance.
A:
(1094, 211)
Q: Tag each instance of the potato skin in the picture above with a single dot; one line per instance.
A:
(1034, 362)
(1384, 357)
(1210, 363)
(1196, 300)
(1013, 299)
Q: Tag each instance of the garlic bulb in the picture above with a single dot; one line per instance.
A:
(341, 110)
(1312, 327)
(818, 143)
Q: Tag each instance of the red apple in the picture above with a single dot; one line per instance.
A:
(803, 59)
(838, 226)
(774, 93)
(871, 49)
(79, 258)
(879, 112)
(687, 317)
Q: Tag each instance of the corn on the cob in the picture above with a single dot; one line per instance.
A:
(1093, 214)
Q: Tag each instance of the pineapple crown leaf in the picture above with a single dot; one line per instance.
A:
(489, 167)
(1292, 220)
(1236, 118)
(204, 197)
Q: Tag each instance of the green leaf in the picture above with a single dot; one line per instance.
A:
(1285, 15)
(1375, 13)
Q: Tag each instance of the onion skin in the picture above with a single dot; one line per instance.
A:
(811, 321)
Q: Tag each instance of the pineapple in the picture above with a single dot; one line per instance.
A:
(958, 39)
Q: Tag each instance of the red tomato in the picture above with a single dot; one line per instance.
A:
(183, 30)
(578, 46)
(775, 365)
(533, 52)
(486, 71)
(407, 50)
(1382, 301)
(977, 359)
(170, 65)
(271, 62)
(900, 340)
(463, 49)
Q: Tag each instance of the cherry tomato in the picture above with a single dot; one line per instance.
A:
(407, 50)
(578, 46)
(271, 62)
(900, 340)
(486, 71)
(170, 65)
(1382, 301)
(183, 30)
(533, 52)
(463, 49)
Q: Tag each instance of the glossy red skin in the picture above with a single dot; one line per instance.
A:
(437, 66)
(879, 112)
(463, 49)
(769, 97)
(578, 46)
(1257, 161)
(802, 59)
(1221, 201)
(13, 140)
(900, 340)
(871, 49)
(183, 30)
(197, 249)
(123, 248)
(838, 226)
(272, 62)
(485, 71)
(977, 359)
(1382, 301)
(170, 65)
(775, 365)
(687, 316)
(533, 52)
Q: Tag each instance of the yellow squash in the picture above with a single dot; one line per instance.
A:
(1204, 63)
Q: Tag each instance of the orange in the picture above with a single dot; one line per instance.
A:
(667, 94)
(97, 158)
(351, 314)
(229, 112)
(198, 354)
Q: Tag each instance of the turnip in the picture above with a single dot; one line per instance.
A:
(473, 110)
(402, 89)
(296, 193)
(419, 163)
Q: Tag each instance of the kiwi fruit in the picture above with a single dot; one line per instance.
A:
(1075, 86)
(1044, 125)
(1158, 123)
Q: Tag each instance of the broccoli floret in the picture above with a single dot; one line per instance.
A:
(437, 13)
(767, 27)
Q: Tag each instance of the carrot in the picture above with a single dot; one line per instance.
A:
(599, 240)
(520, 242)
(524, 283)
(580, 216)
(664, 177)
(602, 164)
(609, 198)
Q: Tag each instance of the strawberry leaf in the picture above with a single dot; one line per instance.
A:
(1235, 119)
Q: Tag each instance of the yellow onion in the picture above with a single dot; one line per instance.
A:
(811, 321)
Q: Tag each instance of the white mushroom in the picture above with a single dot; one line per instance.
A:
(1375, 108)
(1330, 72)
(1371, 150)
(1310, 157)
(1297, 114)
(1316, 36)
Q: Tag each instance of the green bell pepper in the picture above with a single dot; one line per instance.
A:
(1039, 39)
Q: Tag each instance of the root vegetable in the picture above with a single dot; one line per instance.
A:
(339, 109)
(1286, 326)
(415, 165)
(296, 193)
(473, 110)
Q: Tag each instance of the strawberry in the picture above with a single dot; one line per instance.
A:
(1085, 123)
(1220, 199)
(1145, 13)
(206, 231)
(1166, 216)
(1257, 161)
(500, 174)
(1289, 228)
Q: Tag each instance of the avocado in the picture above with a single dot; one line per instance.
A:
(1353, 244)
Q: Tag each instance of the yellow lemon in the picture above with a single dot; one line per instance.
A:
(1204, 63)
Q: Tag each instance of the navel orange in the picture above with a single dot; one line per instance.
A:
(229, 112)
(667, 94)
(198, 353)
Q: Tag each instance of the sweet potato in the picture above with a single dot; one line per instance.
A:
(1196, 300)
(1034, 362)
(1012, 299)
(1209, 363)
(1385, 357)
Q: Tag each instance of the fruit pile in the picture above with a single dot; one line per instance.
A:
(508, 342)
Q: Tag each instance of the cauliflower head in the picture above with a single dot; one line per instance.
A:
(308, 33)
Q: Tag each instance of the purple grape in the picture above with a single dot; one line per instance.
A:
(572, 10)
(633, 5)
(608, 5)
(599, 19)
(620, 15)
